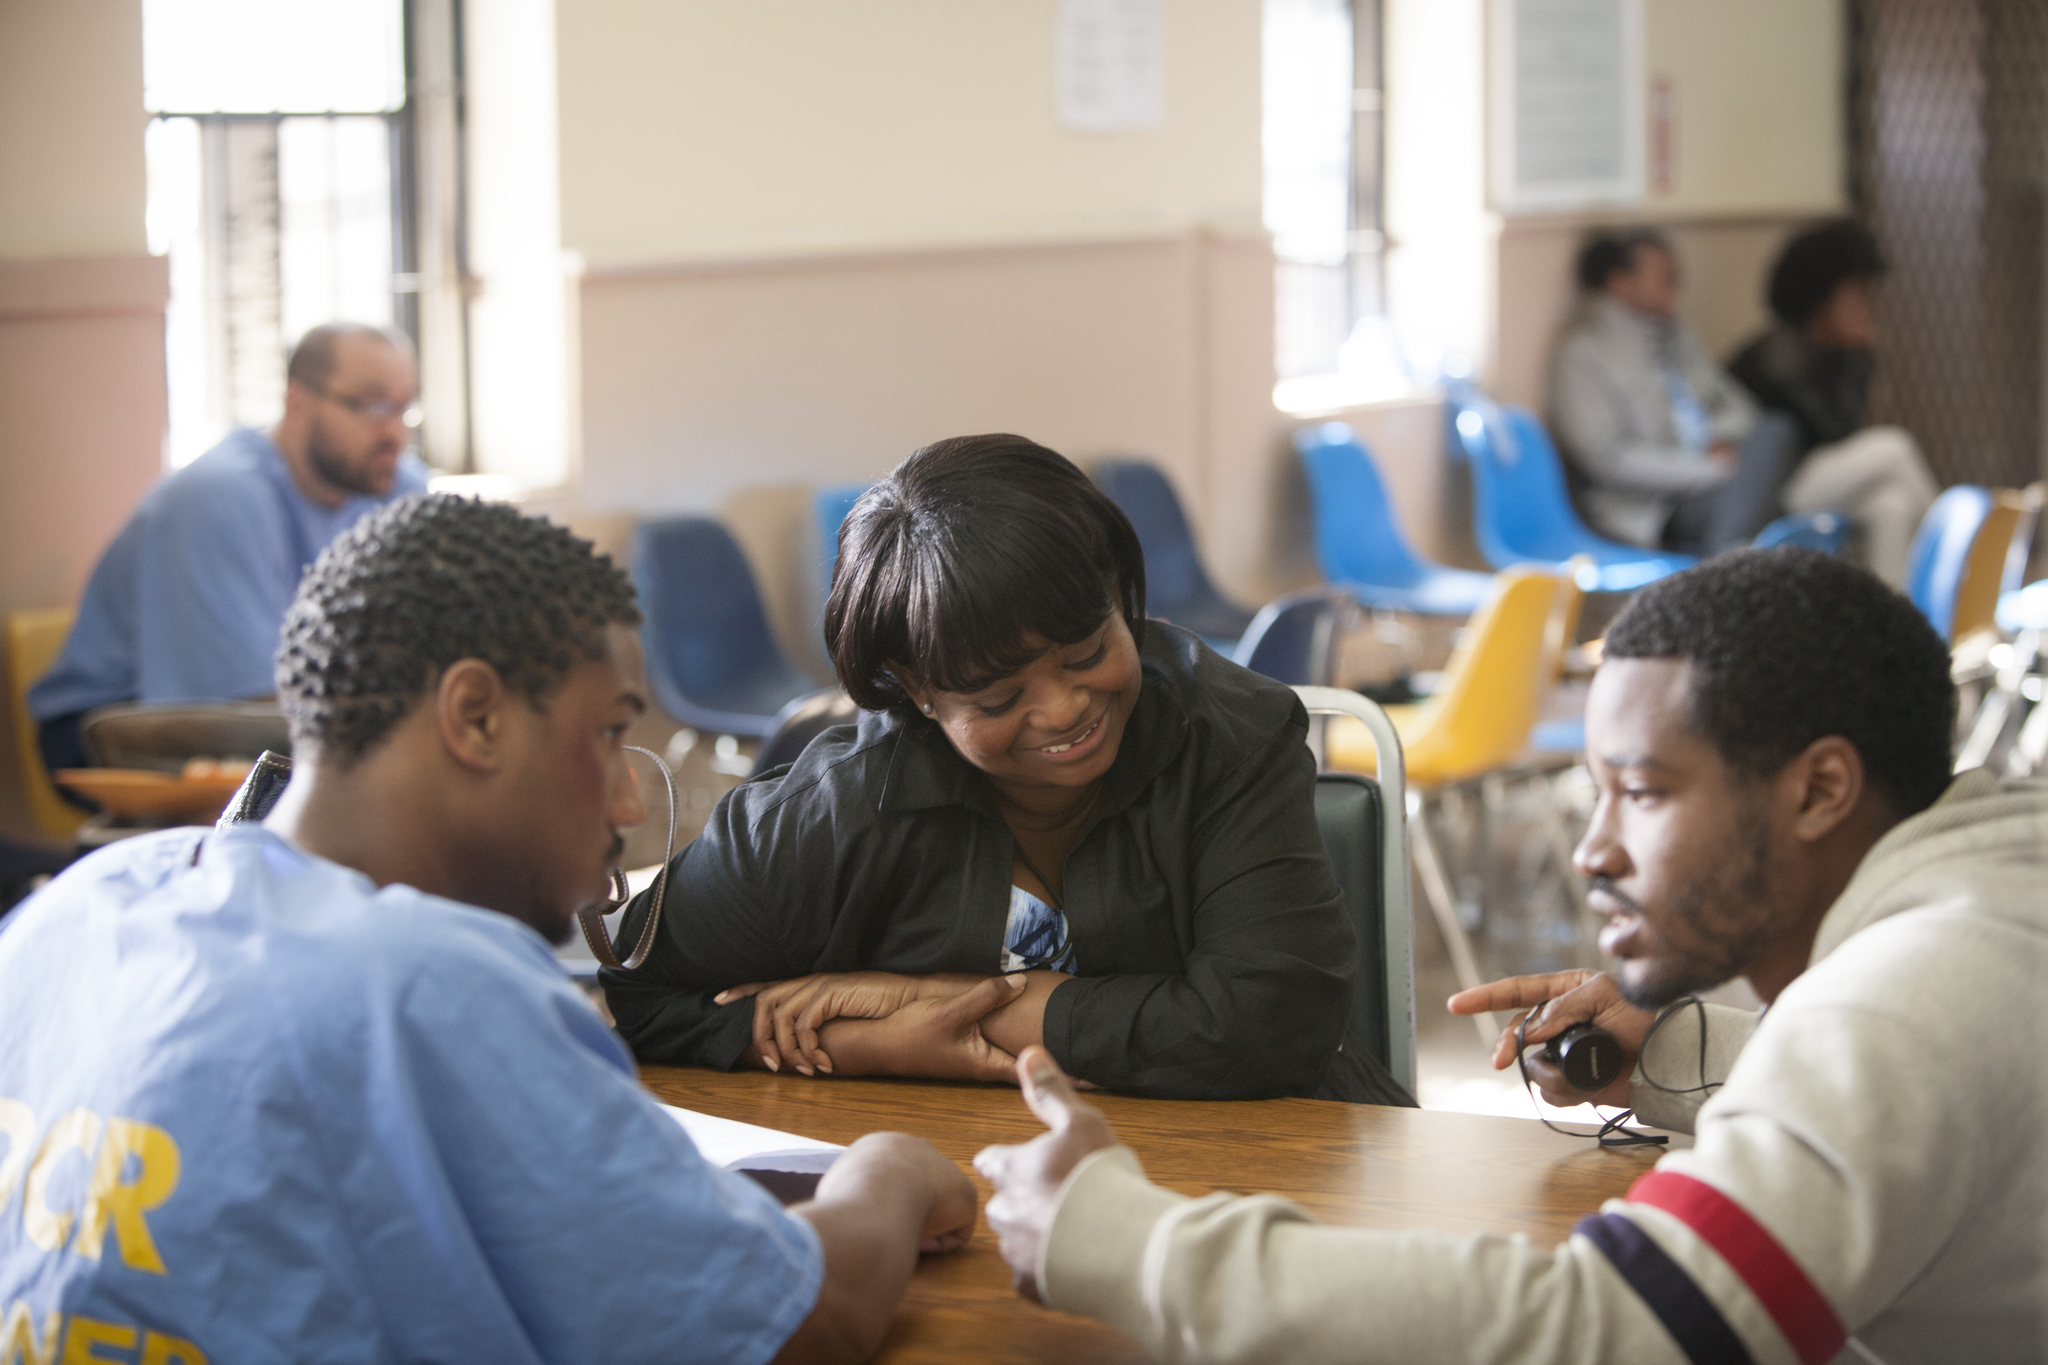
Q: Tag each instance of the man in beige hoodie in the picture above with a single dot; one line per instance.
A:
(1770, 738)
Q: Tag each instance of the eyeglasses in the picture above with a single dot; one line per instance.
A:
(374, 409)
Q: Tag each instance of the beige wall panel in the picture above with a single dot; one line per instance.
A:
(1759, 103)
(81, 431)
(723, 126)
(72, 180)
(737, 389)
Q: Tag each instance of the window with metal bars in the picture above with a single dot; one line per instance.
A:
(1322, 145)
(280, 186)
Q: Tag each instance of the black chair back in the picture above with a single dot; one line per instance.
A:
(1350, 816)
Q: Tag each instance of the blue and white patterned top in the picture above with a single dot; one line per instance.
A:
(1035, 939)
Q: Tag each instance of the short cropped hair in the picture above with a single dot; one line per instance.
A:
(1817, 262)
(969, 545)
(1788, 646)
(423, 583)
(1609, 251)
(312, 359)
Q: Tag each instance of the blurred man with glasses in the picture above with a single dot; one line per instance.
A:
(187, 602)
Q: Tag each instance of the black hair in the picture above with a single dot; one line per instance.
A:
(312, 358)
(422, 583)
(1817, 262)
(1609, 251)
(1788, 646)
(969, 545)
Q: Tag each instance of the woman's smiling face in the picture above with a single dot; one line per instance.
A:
(1057, 721)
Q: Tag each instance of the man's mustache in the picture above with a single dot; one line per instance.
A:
(1603, 885)
(617, 849)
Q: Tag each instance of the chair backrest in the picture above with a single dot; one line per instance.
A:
(1941, 547)
(1294, 637)
(1349, 814)
(164, 735)
(1497, 678)
(1364, 828)
(1521, 507)
(1358, 539)
(1988, 565)
(710, 651)
(1822, 531)
(1173, 570)
(1941, 561)
(803, 722)
(33, 641)
(830, 506)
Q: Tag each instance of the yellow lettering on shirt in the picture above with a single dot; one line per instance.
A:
(110, 1198)
(17, 1126)
(158, 1349)
(49, 1228)
(18, 1344)
(83, 1335)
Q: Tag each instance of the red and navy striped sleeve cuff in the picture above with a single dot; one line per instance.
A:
(1694, 1321)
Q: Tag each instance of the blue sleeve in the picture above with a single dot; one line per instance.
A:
(215, 574)
(604, 1229)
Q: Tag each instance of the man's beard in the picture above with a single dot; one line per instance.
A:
(549, 922)
(335, 468)
(1730, 916)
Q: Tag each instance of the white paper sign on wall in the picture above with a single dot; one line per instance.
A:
(1567, 97)
(1111, 75)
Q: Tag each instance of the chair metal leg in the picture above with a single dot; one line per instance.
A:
(2001, 699)
(1437, 891)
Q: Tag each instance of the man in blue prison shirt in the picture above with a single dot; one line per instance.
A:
(187, 601)
(275, 1092)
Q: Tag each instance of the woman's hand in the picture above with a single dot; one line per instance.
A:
(788, 1014)
(937, 1036)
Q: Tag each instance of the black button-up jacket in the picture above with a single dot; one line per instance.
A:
(1214, 958)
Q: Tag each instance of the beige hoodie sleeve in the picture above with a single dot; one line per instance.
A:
(1672, 1075)
(1225, 1279)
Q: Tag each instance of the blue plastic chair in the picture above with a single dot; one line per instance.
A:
(1823, 531)
(1941, 551)
(1293, 638)
(711, 659)
(1523, 514)
(830, 506)
(1176, 587)
(1358, 543)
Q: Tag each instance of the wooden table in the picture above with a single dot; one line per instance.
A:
(1362, 1165)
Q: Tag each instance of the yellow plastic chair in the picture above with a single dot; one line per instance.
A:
(1478, 725)
(1494, 686)
(33, 639)
(1984, 572)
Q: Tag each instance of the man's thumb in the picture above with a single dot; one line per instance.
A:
(1045, 1087)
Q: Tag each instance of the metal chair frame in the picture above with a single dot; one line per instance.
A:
(1396, 923)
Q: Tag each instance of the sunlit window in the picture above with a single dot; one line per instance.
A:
(274, 167)
(1322, 197)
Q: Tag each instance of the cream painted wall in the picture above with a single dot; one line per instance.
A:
(1759, 103)
(723, 127)
(81, 307)
(71, 121)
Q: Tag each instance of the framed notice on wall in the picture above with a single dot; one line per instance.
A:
(1566, 89)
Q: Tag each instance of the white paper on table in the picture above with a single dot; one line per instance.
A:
(748, 1147)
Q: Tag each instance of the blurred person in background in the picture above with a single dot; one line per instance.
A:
(187, 602)
(1814, 364)
(1670, 452)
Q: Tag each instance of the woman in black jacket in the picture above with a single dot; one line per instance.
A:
(1056, 822)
